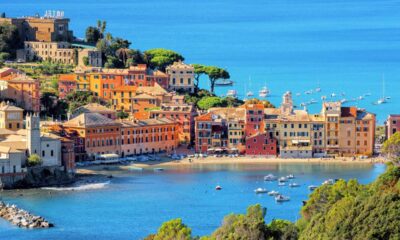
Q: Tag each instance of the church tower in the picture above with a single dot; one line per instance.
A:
(287, 103)
(33, 133)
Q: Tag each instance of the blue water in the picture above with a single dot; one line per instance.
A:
(135, 204)
(345, 45)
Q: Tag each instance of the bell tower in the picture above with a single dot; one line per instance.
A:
(287, 103)
(33, 133)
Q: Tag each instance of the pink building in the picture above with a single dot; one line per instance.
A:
(392, 125)
(261, 144)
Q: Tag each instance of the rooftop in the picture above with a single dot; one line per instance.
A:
(90, 120)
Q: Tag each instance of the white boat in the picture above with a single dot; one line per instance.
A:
(158, 169)
(294, 185)
(263, 92)
(270, 177)
(224, 82)
(312, 187)
(218, 187)
(290, 176)
(344, 100)
(383, 99)
(360, 98)
(273, 193)
(231, 93)
(249, 94)
(328, 182)
(308, 92)
(261, 190)
(318, 89)
(312, 101)
(281, 198)
(333, 95)
(282, 179)
(281, 184)
(323, 98)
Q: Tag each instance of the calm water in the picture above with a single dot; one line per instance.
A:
(134, 204)
(345, 45)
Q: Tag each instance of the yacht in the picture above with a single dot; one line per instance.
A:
(294, 185)
(312, 187)
(318, 89)
(328, 182)
(384, 98)
(290, 176)
(344, 100)
(281, 198)
(273, 193)
(308, 92)
(260, 190)
(249, 94)
(263, 92)
(281, 184)
(361, 98)
(224, 82)
(282, 179)
(218, 187)
(231, 93)
(270, 177)
(333, 95)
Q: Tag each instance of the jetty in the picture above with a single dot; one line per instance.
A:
(22, 218)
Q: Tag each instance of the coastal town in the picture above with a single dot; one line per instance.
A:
(140, 113)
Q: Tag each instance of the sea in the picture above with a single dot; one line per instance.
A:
(348, 48)
(134, 203)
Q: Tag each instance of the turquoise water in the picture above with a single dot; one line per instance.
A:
(134, 204)
(346, 45)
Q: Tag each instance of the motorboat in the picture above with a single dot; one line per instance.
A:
(281, 198)
(231, 93)
(308, 92)
(158, 169)
(312, 101)
(294, 185)
(328, 182)
(312, 187)
(261, 190)
(270, 177)
(344, 100)
(281, 184)
(263, 92)
(249, 94)
(224, 82)
(381, 101)
(218, 187)
(318, 89)
(282, 179)
(333, 95)
(273, 193)
(290, 176)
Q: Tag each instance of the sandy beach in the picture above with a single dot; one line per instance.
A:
(225, 160)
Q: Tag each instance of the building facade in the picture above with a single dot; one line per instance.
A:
(181, 77)
(392, 125)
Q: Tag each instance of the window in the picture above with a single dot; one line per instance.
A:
(52, 153)
(43, 153)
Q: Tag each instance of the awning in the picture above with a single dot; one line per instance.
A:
(210, 149)
(108, 156)
(219, 150)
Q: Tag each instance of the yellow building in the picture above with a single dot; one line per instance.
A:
(11, 117)
(181, 76)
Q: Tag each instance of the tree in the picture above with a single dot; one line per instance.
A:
(123, 54)
(243, 226)
(85, 60)
(209, 102)
(9, 39)
(101, 26)
(160, 58)
(199, 70)
(4, 56)
(135, 57)
(3, 15)
(92, 35)
(172, 230)
(34, 160)
(214, 74)
(122, 114)
(78, 99)
(266, 103)
(391, 147)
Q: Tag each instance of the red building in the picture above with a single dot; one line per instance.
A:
(66, 84)
(392, 125)
(254, 119)
(261, 144)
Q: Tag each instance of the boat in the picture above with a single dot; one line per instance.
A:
(308, 92)
(312, 187)
(298, 94)
(281, 184)
(263, 92)
(367, 94)
(249, 94)
(270, 177)
(328, 182)
(282, 179)
(224, 82)
(360, 98)
(281, 198)
(344, 100)
(318, 89)
(333, 95)
(273, 193)
(231, 93)
(323, 98)
(290, 176)
(218, 187)
(158, 169)
(133, 168)
(312, 101)
(261, 190)
(383, 99)
(294, 185)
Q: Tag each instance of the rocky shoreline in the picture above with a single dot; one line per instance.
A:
(22, 218)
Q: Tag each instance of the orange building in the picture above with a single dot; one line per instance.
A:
(100, 134)
(148, 136)
(23, 90)
(66, 84)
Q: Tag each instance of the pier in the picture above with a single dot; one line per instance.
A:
(22, 218)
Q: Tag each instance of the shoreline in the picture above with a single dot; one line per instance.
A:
(225, 160)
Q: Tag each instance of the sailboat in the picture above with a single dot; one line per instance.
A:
(318, 89)
(383, 99)
(264, 91)
(249, 93)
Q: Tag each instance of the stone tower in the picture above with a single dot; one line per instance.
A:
(33, 133)
(287, 103)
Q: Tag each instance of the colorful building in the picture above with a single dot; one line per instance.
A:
(148, 136)
(392, 125)
(181, 77)
(11, 117)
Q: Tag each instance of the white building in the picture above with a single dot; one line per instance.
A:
(181, 77)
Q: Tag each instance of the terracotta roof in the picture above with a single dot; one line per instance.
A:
(154, 90)
(90, 120)
(158, 73)
(93, 107)
(205, 117)
(180, 65)
(272, 111)
(15, 146)
(126, 88)
(66, 77)
(10, 108)
(4, 131)
(147, 122)
(229, 113)
(143, 96)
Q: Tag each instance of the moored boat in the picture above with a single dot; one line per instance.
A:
(281, 198)
(294, 185)
(312, 187)
(270, 177)
(218, 187)
(282, 179)
(273, 193)
(261, 190)
(224, 82)
(328, 182)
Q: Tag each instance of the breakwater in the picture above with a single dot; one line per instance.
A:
(22, 218)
